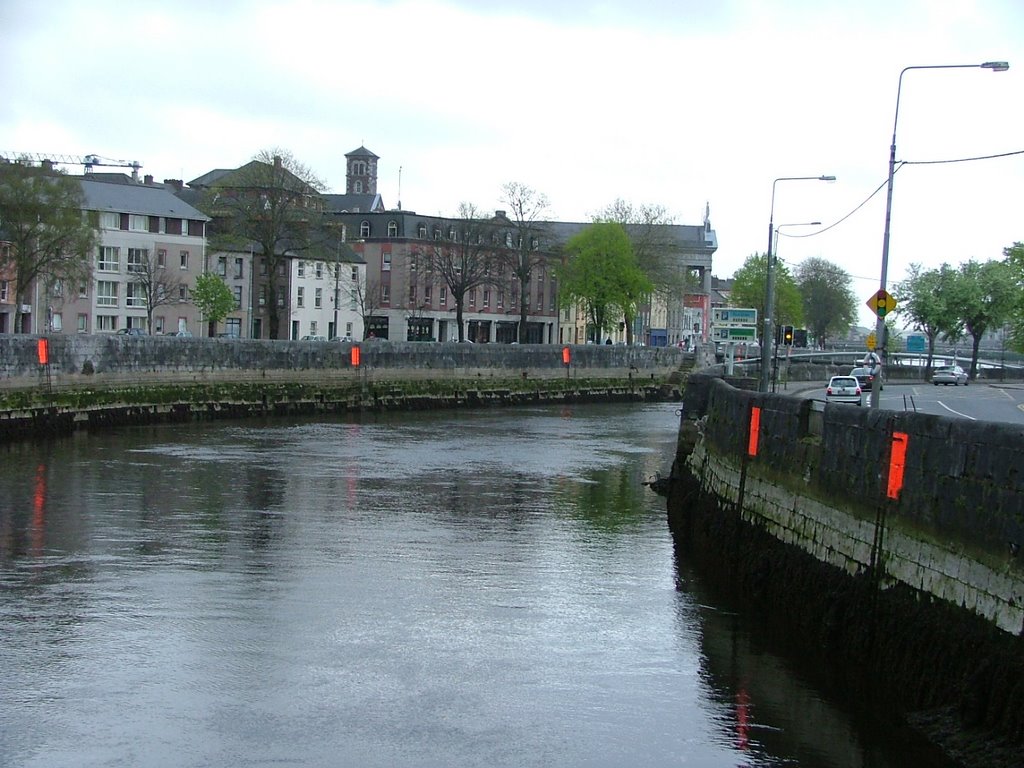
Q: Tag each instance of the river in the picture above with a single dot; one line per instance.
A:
(456, 588)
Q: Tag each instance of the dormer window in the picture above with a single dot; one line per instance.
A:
(392, 228)
(421, 231)
(364, 228)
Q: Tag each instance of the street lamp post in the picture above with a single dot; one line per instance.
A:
(880, 340)
(774, 340)
(768, 331)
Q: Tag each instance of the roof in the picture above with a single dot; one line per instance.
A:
(210, 178)
(361, 152)
(353, 203)
(141, 199)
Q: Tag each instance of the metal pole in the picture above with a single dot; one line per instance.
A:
(768, 332)
(995, 66)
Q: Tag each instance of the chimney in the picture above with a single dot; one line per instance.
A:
(147, 180)
(175, 184)
(277, 161)
(47, 165)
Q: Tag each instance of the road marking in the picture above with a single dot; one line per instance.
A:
(956, 412)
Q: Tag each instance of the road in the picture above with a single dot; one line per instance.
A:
(980, 401)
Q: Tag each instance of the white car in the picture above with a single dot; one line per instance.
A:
(950, 374)
(843, 389)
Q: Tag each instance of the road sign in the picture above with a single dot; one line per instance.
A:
(871, 340)
(733, 316)
(881, 303)
(733, 333)
(915, 344)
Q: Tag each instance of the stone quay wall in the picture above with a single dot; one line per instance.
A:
(916, 586)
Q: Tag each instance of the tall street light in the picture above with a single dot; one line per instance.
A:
(995, 66)
(774, 341)
(768, 332)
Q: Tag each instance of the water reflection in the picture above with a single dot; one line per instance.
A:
(494, 588)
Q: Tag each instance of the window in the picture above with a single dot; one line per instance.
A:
(83, 290)
(134, 295)
(412, 295)
(421, 231)
(437, 233)
(501, 299)
(443, 298)
(222, 266)
(110, 220)
(357, 188)
(106, 293)
(263, 295)
(137, 259)
(106, 322)
(238, 268)
(109, 259)
(182, 293)
(358, 168)
(5, 288)
(158, 324)
(472, 298)
(392, 228)
(263, 267)
(83, 323)
(318, 298)
(138, 223)
(487, 298)
(312, 328)
(161, 258)
(301, 269)
(233, 326)
(319, 270)
(385, 259)
(237, 290)
(57, 322)
(385, 294)
(355, 274)
(183, 259)
(300, 299)
(364, 228)
(427, 293)
(348, 330)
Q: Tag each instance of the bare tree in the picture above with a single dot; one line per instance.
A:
(158, 285)
(522, 248)
(273, 202)
(367, 295)
(466, 261)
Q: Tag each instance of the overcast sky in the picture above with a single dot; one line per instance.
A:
(679, 103)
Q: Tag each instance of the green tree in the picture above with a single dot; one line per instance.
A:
(983, 298)
(214, 299)
(748, 290)
(828, 301)
(655, 250)
(274, 203)
(601, 274)
(922, 303)
(1014, 256)
(465, 262)
(50, 239)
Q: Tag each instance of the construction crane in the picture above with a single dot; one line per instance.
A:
(87, 161)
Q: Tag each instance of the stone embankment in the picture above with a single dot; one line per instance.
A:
(92, 382)
(884, 544)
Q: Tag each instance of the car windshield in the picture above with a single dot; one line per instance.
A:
(844, 381)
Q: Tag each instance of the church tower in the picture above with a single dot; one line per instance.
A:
(361, 172)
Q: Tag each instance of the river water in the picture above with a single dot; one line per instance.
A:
(459, 588)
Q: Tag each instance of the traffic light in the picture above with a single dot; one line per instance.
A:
(799, 337)
(787, 335)
(778, 335)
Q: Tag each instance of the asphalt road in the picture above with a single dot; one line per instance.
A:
(980, 400)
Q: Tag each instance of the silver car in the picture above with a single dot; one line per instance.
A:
(950, 374)
(843, 389)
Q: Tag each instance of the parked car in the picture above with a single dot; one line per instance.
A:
(181, 334)
(843, 389)
(949, 374)
(866, 379)
(342, 339)
(313, 338)
(133, 332)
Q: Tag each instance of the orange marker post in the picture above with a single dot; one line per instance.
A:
(755, 428)
(355, 356)
(566, 355)
(897, 462)
(43, 348)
